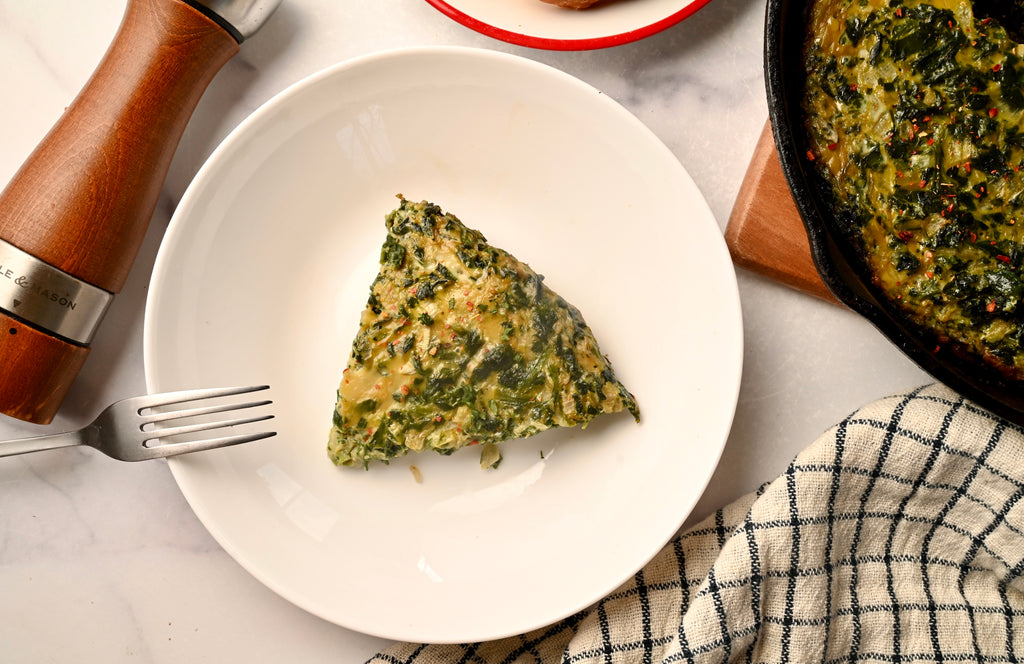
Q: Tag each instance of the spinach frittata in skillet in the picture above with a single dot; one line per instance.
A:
(461, 344)
(915, 113)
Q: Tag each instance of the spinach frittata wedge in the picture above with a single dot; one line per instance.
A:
(462, 344)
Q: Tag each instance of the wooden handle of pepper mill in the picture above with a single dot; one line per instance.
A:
(83, 200)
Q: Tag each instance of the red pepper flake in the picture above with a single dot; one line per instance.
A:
(853, 86)
(996, 67)
(931, 141)
(404, 390)
(437, 418)
(469, 305)
(1005, 259)
(906, 236)
(899, 12)
(967, 166)
(993, 112)
(974, 238)
(810, 156)
(991, 306)
(930, 275)
(833, 146)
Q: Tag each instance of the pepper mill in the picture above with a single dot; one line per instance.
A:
(74, 215)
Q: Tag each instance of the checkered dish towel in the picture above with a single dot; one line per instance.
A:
(898, 536)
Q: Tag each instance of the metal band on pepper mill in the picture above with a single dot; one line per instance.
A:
(48, 298)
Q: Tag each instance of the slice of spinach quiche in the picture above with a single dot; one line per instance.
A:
(462, 344)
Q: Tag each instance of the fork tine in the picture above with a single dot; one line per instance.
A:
(196, 412)
(183, 396)
(202, 426)
(174, 449)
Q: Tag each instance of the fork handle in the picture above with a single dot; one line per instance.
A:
(39, 443)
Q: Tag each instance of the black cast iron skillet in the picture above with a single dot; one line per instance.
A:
(835, 258)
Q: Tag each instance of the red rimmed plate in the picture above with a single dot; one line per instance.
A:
(541, 25)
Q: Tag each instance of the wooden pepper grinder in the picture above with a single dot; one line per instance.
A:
(74, 215)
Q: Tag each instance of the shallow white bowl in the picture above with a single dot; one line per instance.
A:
(267, 264)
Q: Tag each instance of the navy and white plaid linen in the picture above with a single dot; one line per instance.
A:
(898, 536)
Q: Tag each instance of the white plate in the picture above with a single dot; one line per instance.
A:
(267, 264)
(541, 25)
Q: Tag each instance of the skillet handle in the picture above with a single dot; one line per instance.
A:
(82, 201)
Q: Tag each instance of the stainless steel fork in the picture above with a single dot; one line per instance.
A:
(133, 429)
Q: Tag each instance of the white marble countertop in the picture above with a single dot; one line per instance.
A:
(101, 561)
